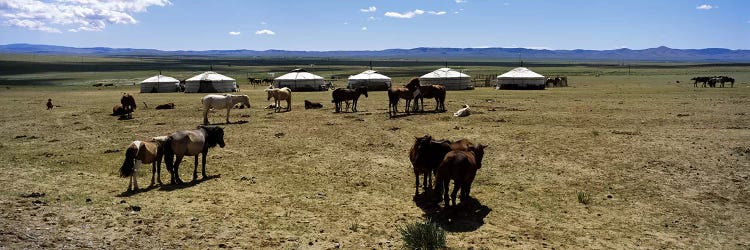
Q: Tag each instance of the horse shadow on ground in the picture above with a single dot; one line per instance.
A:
(172, 187)
(467, 216)
(224, 123)
(138, 191)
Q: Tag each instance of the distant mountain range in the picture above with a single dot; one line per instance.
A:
(652, 54)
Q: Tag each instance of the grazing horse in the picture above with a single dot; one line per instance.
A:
(165, 106)
(431, 91)
(723, 79)
(426, 155)
(460, 166)
(312, 105)
(698, 79)
(278, 95)
(222, 102)
(407, 92)
(344, 95)
(140, 152)
(191, 143)
(128, 104)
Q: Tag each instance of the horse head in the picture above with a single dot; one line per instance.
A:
(479, 154)
(362, 90)
(421, 147)
(268, 91)
(245, 100)
(214, 135)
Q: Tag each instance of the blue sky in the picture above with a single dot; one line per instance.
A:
(375, 25)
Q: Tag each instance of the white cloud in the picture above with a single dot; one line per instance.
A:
(265, 32)
(263, 23)
(706, 7)
(369, 9)
(412, 14)
(364, 28)
(371, 18)
(84, 15)
(346, 23)
(461, 1)
(234, 33)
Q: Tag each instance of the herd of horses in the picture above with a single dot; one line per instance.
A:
(712, 81)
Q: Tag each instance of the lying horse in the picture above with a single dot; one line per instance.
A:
(191, 143)
(165, 106)
(344, 95)
(465, 111)
(431, 91)
(459, 165)
(140, 152)
(408, 92)
(128, 104)
(426, 155)
(312, 105)
(222, 102)
(278, 95)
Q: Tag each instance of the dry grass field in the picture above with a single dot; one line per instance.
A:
(666, 166)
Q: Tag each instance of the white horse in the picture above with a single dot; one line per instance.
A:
(225, 101)
(279, 95)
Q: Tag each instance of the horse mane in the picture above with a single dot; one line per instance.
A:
(213, 133)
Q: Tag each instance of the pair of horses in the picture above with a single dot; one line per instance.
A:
(176, 145)
(225, 101)
(345, 95)
(126, 107)
(457, 161)
(415, 91)
(280, 94)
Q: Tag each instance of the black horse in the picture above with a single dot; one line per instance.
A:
(344, 95)
(703, 79)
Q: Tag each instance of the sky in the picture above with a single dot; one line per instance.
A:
(375, 25)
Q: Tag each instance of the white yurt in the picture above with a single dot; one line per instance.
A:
(370, 79)
(300, 80)
(451, 79)
(520, 78)
(210, 82)
(160, 84)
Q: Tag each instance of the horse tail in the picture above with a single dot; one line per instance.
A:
(168, 153)
(128, 165)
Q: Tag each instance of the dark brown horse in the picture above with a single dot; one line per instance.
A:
(460, 166)
(312, 105)
(407, 92)
(426, 155)
(703, 79)
(191, 143)
(429, 92)
(724, 79)
(165, 106)
(344, 95)
(128, 104)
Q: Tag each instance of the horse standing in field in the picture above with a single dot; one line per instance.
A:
(140, 152)
(278, 95)
(426, 155)
(407, 92)
(431, 91)
(723, 79)
(128, 104)
(49, 104)
(222, 102)
(191, 143)
(344, 95)
(702, 79)
(459, 165)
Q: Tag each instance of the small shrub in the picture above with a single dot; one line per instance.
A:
(354, 227)
(584, 198)
(423, 235)
(595, 133)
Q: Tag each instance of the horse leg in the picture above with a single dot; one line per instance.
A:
(195, 170)
(176, 169)
(228, 109)
(153, 173)
(205, 116)
(456, 187)
(446, 185)
(416, 183)
(205, 153)
(354, 106)
(135, 174)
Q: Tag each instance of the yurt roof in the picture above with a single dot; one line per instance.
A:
(210, 76)
(445, 73)
(520, 72)
(160, 78)
(369, 75)
(298, 74)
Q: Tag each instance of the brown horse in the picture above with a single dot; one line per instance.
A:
(408, 92)
(312, 105)
(143, 152)
(128, 104)
(426, 155)
(344, 95)
(191, 143)
(460, 166)
(165, 106)
(429, 92)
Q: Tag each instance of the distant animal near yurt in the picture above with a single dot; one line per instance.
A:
(300, 80)
(449, 78)
(210, 82)
(370, 79)
(160, 84)
(520, 78)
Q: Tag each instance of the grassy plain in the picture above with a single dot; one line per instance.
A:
(666, 165)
